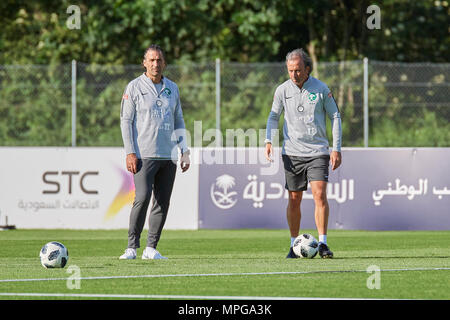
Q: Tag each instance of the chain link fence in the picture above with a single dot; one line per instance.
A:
(35, 105)
(408, 103)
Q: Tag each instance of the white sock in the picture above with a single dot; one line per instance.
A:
(323, 238)
(292, 241)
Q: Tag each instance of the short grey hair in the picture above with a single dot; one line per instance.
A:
(302, 55)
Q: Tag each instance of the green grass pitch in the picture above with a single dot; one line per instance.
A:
(228, 263)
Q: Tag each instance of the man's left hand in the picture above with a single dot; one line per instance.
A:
(185, 162)
(335, 159)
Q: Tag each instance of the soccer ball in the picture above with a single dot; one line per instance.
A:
(54, 255)
(305, 246)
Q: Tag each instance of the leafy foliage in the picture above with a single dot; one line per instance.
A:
(35, 106)
(117, 31)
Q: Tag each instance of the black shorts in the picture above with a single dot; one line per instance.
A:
(300, 170)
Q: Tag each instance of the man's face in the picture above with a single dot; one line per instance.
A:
(297, 70)
(154, 63)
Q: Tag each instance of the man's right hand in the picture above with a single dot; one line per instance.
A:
(268, 152)
(132, 162)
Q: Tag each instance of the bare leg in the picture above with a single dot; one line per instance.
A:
(293, 213)
(322, 210)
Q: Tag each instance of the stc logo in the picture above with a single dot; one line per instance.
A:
(70, 182)
(58, 179)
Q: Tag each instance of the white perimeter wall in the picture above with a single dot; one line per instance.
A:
(81, 188)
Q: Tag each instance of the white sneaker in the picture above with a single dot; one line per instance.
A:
(151, 253)
(130, 253)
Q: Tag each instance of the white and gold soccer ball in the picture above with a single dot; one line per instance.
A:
(54, 255)
(305, 246)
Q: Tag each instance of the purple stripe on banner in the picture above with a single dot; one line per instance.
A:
(374, 189)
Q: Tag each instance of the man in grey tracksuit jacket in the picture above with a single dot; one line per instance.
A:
(153, 129)
(306, 102)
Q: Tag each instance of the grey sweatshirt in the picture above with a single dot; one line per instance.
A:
(304, 127)
(151, 120)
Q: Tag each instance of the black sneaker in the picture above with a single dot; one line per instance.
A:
(324, 251)
(291, 254)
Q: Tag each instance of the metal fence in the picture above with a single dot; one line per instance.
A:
(383, 104)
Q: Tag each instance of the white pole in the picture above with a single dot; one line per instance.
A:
(366, 102)
(74, 103)
(218, 139)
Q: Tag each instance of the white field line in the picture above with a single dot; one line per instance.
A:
(150, 296)
(215, 274)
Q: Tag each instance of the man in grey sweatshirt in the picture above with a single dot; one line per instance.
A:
(152, 125)
(305, 101)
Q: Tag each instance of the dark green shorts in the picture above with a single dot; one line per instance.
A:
(300, 170)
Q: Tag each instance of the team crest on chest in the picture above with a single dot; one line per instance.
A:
(167, 92)
(312, 97)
